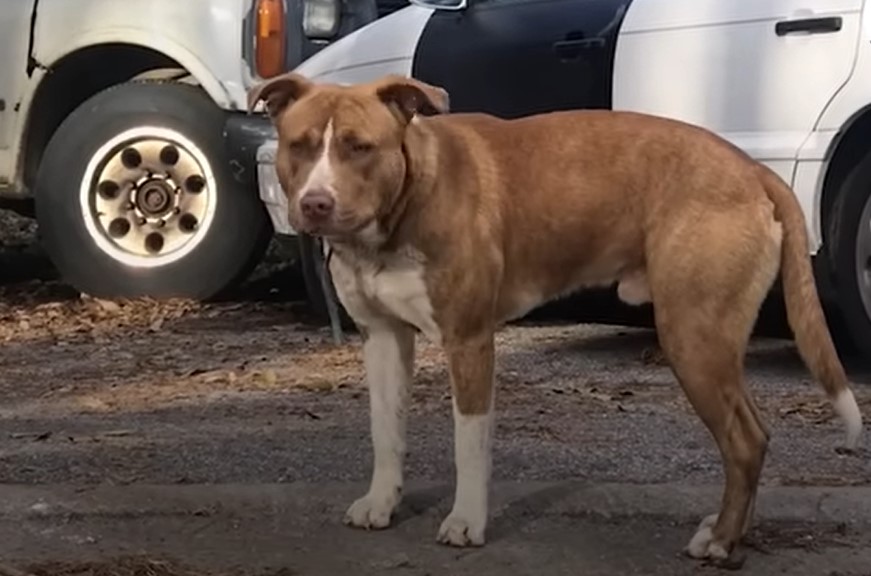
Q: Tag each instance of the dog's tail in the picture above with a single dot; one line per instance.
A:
(803, 309)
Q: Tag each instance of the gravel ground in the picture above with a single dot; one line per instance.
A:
(201, 401)
(250, 391)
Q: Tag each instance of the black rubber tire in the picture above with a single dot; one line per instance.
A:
(843, 226)
(232, 246)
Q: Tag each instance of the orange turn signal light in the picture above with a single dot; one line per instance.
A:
(270, 42)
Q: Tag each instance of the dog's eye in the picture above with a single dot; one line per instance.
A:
(298, 145)
(362, 147)
(356, 146)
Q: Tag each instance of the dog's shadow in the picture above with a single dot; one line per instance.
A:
(421, 502)
(518, 513)
(509, 518)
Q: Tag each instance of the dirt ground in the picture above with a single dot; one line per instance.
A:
(252, 392)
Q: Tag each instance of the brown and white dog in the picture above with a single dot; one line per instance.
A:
(452, 224)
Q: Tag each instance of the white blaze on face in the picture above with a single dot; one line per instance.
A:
(321, 177)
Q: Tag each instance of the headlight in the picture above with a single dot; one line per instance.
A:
(321, 18)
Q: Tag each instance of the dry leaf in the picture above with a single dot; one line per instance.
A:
(268, 377)
(214, 376)
(318, 386)
(108, 305)
(94, 404)
(86, 314)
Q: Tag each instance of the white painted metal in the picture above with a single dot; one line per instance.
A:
(715, 63)
(204, 37)
(385, 46)
(14, 34)
(719, 64)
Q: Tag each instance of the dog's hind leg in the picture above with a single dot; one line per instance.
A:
(709, 366)
(705, 310)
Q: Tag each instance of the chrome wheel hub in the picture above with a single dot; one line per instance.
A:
(148, 196)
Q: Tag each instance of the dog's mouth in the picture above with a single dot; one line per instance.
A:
(350, 229)
(338, 227)
(313, 228)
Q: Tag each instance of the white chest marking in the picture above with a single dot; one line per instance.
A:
(397, 290)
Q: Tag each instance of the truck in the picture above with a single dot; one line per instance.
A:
(786, 81)
(124, 130)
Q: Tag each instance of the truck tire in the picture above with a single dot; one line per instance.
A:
(135, 197)
(849, 231)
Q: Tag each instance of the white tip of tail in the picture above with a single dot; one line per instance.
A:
(846, 407)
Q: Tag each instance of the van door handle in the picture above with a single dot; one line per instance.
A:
(809, 26)
(571, 49)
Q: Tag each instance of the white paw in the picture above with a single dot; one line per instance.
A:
(461, 530)
(371, 511)
(701, 545)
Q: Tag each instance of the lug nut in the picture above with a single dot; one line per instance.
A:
(195, 183)
(108, 189)
(169, 155)
(154, 242)
(131, 158)
(119, 227)
(188, 222)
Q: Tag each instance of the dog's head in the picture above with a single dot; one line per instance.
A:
(340, 156)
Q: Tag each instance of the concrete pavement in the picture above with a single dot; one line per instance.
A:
(569, 527)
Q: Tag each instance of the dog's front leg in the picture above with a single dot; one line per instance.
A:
(388, 358)
(471, 367)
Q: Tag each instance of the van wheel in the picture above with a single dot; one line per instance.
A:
(850, 255)
(135, 197)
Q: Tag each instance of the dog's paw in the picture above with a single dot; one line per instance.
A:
(461, 531)
(702, 546)
(371, 512)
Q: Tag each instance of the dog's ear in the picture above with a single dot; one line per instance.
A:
(412, 96)
(279, 92)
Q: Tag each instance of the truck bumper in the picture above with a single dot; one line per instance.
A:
(251, 143)
(270, 189)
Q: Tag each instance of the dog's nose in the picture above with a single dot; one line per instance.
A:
(317, 204)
